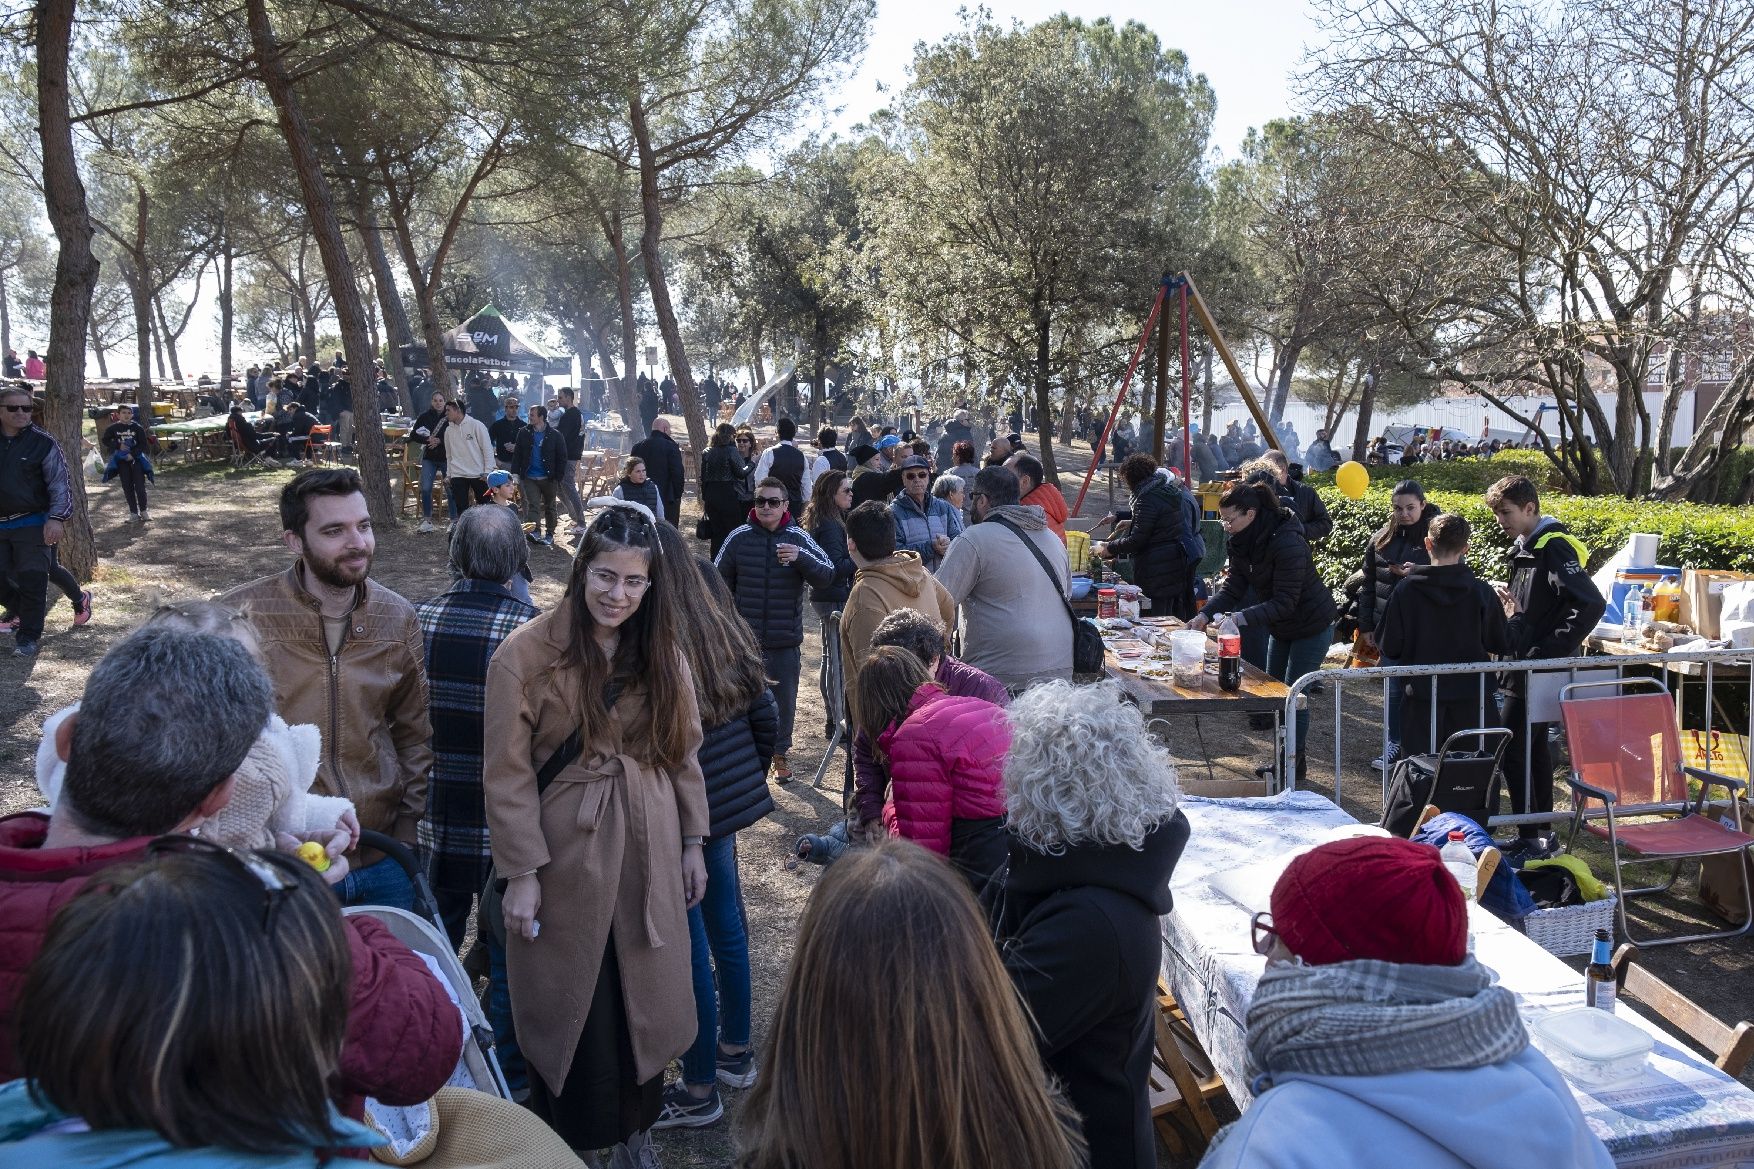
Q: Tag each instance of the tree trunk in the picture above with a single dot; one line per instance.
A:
(225, 309)
(819, 374)
(651, 236)
(425, 302)
(5, 317)
(319, 201)
(389, 300)
(76, 271)
(1714, 436)
(1044, 419)
(1366, 407)
(97, 349)
(759, 369)
(157, 347)
(627, 387)
(142, 339)
(164, 332)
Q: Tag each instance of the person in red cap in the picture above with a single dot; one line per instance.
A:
(1376, 1040)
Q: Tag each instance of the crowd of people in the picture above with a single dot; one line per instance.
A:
(974, 979)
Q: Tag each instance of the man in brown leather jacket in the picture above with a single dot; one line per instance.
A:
(345, 654)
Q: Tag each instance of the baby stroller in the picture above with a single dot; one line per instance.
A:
(424, 933)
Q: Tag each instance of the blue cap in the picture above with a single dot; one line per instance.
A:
(498, 479)
(888, 441)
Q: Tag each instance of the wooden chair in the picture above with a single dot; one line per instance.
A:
(1731, 1047)
(608, 474)
(1182, 1082)
(412, 453)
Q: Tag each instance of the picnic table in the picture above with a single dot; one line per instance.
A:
(1680, 1112)
(1162, 697)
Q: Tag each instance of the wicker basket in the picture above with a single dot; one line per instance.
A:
(1571, 929)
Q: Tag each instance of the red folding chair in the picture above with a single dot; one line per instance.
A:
(1626, 756)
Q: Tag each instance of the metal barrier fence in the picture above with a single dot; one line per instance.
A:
(1541, 706)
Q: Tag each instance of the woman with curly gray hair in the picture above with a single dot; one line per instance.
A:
(1095, 834)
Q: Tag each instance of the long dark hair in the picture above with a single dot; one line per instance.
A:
(895, 985)
(650, 651)
(1250, 496)
(184, 996)
(822, 502)
(884, 689)
(723, 656)
(1404, 487)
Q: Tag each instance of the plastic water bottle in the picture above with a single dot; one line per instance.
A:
(1229, 654)
(1458, 858)
(1632, 615)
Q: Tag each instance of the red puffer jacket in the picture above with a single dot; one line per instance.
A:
(403, 1031)
(946, 762)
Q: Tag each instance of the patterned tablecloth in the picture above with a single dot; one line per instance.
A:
(1681, 1112)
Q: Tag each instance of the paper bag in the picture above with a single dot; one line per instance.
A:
(1735, 622)
(1702, 596)
(1720, 877)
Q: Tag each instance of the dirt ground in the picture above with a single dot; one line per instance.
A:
(214, 528)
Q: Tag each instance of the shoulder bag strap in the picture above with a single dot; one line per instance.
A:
(1039, 559)
(574, 745)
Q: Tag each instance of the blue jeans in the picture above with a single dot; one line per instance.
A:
(1290, 660)
(381, 884)
(718, 933)
(429, 471)
(499, 1016)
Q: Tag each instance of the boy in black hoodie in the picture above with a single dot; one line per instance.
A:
(1553, 605)
(1442, 614)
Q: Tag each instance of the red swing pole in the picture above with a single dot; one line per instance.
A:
(1187, 440)
(1126, 382)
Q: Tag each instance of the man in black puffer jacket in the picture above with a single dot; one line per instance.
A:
(767, 562)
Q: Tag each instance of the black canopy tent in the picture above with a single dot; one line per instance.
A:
(485, 341)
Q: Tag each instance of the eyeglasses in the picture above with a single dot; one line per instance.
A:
(605, 581)
(917, 475)
(24, 409)
(769, 501)
(1262, 935)
(277, 884)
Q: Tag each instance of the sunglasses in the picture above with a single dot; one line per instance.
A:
(917, 475)
(766, 501)
(25, 409)
(264, 868)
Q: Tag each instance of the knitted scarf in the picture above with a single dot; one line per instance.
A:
(1370, 1018)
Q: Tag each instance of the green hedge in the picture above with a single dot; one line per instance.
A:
(1691, 535)
(1466, 475)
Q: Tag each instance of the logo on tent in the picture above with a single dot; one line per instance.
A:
(484, 338)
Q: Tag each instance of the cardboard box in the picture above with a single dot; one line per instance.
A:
(1702, 597)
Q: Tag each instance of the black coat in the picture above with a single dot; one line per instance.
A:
(1311, 512)
(663, 464)
(571, 425)
(1400, 544)
(875, 484)
(431, 424)
(503, 433)
(1080, 937)
(734, 757)
(1558, 602)
(553, 453)
(832, 536)
(1154, 541)
(1271, 557)
(1442, 614)
(770, 595)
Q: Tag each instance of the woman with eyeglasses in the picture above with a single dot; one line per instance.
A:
(215, 984)
(1376, 1040)
(598, 812)
(1270, 556)
(724, 481)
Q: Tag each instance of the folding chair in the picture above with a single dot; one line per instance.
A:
(1182, 1081)
(1731, 1048)
(241, 458)
(1626, 756)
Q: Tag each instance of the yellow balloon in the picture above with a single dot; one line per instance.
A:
(1352, 480)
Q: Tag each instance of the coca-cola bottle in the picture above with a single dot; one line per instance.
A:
(1229, 654)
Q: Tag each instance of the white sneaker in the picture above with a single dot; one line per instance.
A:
(425, 526)
(144, 518)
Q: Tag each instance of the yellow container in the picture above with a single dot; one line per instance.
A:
(1078, 550)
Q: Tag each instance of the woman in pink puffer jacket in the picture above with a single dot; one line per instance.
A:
(944, 757)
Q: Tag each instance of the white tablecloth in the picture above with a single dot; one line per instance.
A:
(1681, 1112)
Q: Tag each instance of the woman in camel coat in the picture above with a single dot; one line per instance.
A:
(603, 863)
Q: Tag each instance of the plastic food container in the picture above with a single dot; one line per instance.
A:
(1188, 657)
(1591, 1046)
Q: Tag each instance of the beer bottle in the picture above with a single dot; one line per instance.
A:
(1599, 988)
